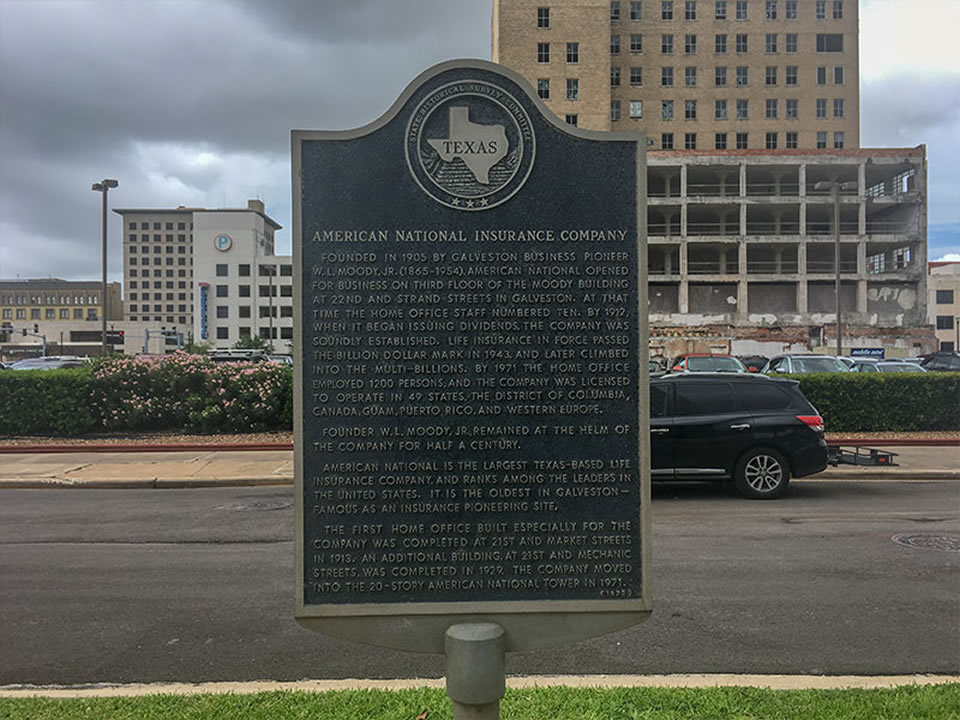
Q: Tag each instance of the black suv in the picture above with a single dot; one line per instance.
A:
(756, 430)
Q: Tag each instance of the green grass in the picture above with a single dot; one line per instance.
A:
(932, 702)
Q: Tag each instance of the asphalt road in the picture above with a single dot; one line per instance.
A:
(197, 585)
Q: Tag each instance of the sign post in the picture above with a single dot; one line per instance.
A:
(471, 420)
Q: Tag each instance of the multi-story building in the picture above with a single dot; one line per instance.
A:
(208, 273)
(943, 306)
(742, 244)
(693, 74)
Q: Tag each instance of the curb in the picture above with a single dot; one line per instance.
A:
(692, 680)
(142, 447)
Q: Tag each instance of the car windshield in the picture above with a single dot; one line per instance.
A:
(715, 363)
(899, 367)
(817, 364)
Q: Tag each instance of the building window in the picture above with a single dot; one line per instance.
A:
(64, 313)
(944, 297)
(821, 107)
(636, 10)
(838, 139)
(741, 141)
(636, 43)
(790, 11)
(690, 44)
(223, 333)
(742, 76)
(821, 76)
(831, 43)
(690, 141)
(666, 77)
(222, 291)
(222, 311)
(573, 52)
(838, 75)
(720, 76)
(770, 75)
(792, 75)
(614, 110)
(666, 44)
(666, 109)
(741, 9)
(771, 141)
(666, 9)
(741, 43)
(944, 322)
(543, 17)
(720, 10)
(743, 110)
(772, 108)
(614, 10)
(720, 109)
(614, 44)
(666, 141)
(720, 141)
(771, 9)
(543, 90)
(573, 89)
(636, 76)
(690, 10)
(543, 52)
(243, 311)
(838, 107)
(821, 9)
(614, 77)
(571, 119)
(221, 270)
(690, 76)
(720, 44)
(770, 43)
(821, 139)
(792, 109)
(791, 43)
(838, 9)
(690, 109)
(792, 140)
(636, 109)
(286, 333)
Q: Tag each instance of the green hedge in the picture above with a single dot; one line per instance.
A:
(876, 402)
(189, 393)
(180, 392)
(46, 402)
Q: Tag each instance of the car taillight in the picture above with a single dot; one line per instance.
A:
(814, 422)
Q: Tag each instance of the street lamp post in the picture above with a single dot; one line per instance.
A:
(103, 187)
(835, 186)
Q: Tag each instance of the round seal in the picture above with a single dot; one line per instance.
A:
(470, 145)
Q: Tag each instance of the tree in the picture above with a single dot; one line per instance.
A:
(253, 342)
(194, 348)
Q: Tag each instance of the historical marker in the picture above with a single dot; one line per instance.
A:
(471, 421)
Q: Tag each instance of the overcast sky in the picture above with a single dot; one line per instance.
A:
(191, 102)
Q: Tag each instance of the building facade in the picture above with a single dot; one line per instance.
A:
(172, 260)
(693, 74)
(943, 306)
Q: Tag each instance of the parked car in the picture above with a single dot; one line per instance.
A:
(281, 359)
(754, 363)
(887, 366)
(942, 362)
(706, 362)
(754, 430)
(805, 363)
(238, 355)
(50, 362)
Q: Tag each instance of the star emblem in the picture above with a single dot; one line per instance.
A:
(469, 203)
(483, 202)
(455, 202)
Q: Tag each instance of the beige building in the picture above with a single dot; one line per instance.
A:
(693, 74)
(943, 306)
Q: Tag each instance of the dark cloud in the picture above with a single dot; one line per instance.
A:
(189, 102)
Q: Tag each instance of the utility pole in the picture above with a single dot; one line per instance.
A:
(103, 187)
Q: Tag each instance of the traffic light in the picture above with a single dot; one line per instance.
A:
(36, 329)
(24, 332)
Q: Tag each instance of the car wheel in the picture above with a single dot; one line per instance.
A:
(762, 474)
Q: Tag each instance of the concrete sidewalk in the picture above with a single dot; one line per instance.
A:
(212, 468)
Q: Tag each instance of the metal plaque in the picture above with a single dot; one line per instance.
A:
(470, 368)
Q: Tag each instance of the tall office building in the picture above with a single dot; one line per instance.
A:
(693, 74)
